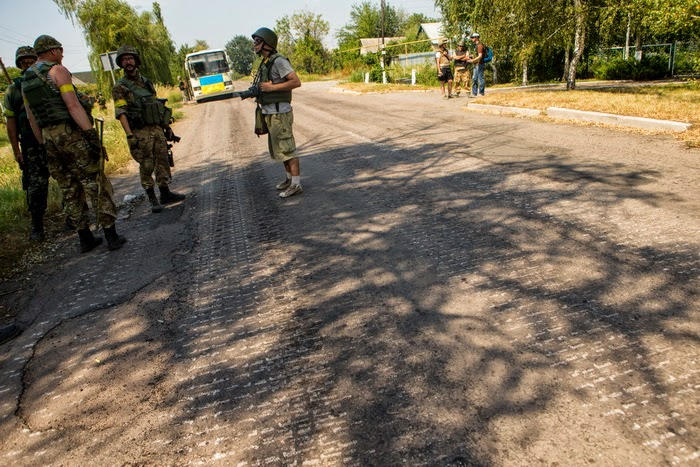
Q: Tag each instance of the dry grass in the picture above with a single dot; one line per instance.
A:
(669, 102)
(382, 88)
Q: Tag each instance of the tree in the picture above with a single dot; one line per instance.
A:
(240, 51)
(300, 37)
(109, 24)
(366, 21)
(200, 45)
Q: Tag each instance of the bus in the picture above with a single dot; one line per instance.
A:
(210, 74)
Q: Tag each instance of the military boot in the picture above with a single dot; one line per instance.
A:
(167, 196)
(37, 233)
(155, 204)
(114, 240)
(87, 240)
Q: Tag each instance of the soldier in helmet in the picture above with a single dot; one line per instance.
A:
(29, 154)
(144, 119)
(277, 78)
(61, 118)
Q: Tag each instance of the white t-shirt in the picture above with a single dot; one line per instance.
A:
(280, 68)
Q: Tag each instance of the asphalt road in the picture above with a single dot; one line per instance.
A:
(451, 288)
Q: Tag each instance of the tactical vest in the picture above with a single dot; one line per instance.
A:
(26, 135)
(144, 108)
(273, 97)
(461, 63)
(45, 99)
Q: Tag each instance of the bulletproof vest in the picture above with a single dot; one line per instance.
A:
(273, 97)
(45, 99)
(26, 135)
(144, 108)
(461, 63)
(444, 61)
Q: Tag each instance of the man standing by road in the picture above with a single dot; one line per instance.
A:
(442, 61)
(61, 119)
(29, 154)
(462, 76)
(478, 83)
(277, 78)
(145, 120)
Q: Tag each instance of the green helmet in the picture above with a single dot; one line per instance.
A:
(24, 52)
(267, 35)
(128, 50)
(45, 43)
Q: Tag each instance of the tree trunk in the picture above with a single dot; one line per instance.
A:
(495, 72)
(579, 42)
(627, 37)
(567, 61)
(638, 47)
(525, 72)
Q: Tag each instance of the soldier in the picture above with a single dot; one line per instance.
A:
(145, 120)
(29, 154)
(462, 75)
(61, 119)
(276, 79)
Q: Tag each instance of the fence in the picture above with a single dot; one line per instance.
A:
(683, 57)
(414, 59)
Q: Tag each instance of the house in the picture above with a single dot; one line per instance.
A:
(373, 44)
(84, 77)
(432, 31)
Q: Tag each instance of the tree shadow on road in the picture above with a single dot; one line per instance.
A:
(435, 304)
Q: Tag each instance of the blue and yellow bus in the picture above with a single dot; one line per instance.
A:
(210, 75)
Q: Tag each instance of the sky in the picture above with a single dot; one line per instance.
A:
(217, 22)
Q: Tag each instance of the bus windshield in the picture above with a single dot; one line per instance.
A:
(208, 64)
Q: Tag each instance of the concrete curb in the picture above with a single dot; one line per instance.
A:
(619, 120)
(502, 109)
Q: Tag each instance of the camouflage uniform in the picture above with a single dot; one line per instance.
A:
(76, 170)
(35, 173)
(462, 74)
(149, 147)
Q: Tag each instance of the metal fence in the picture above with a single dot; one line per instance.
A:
(683, 57)
(414, 59)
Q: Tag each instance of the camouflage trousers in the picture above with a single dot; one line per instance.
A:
(463, 79)
(76, 170)
(35, 178)
(151, 152)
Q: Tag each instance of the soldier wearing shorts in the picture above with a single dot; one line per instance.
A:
(60, 117)
(29, 154)
(145, 120)
(442, 61)
(277, 79)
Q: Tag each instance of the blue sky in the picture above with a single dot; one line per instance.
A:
(215, 21)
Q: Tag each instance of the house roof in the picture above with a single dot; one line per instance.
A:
(372, 44)
(433, 31)
(84, 77)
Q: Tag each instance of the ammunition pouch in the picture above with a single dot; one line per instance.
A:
(260, 125)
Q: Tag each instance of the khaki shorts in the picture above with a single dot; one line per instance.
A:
(280, 138)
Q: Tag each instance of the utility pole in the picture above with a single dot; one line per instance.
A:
(383, 50)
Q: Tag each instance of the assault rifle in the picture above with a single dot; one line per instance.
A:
(170, 136)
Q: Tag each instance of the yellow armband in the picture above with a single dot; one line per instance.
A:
(120, 103)
(66, 88)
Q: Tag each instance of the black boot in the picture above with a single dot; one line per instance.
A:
(114, 241)
(37, 233)
(88, 240)
(167, 196)
(155, 205)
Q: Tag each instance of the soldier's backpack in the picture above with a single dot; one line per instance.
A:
(488, 54)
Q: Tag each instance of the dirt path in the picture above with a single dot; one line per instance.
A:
(450, 289)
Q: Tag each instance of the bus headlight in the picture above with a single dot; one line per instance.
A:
(196, 88)
(228, 83)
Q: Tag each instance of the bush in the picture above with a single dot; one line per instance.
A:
(427, 75)
(357, 76)
(652, 66)
(687, 63)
